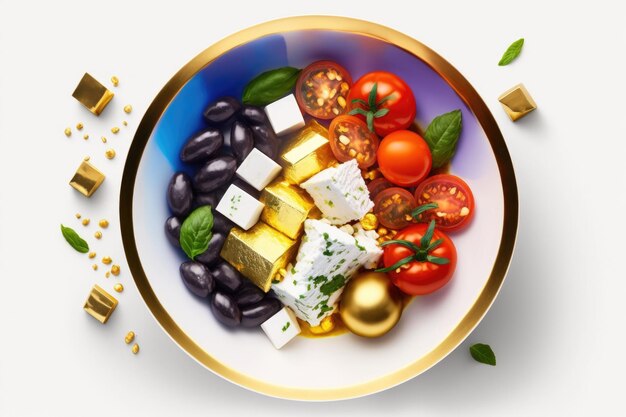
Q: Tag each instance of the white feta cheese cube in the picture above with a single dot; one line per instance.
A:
(240, 207)
(326, 260)
(340, 192)
(258, 169)
(285, 115)
(281, 327)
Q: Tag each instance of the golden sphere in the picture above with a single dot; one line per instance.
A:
(370, 305)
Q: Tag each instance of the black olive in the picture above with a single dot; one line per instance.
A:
(221, 110)
(172, 230)
(221, 223)
(197, 278)
(225, 309)
(253, 115)
(247, 187)
(227, 277)
(241, 140)
(256, 314)
(201, 146)
(214, 174)
(206, 199)
(180, 194)
(249, 294)
(212, 254)
(265, 140)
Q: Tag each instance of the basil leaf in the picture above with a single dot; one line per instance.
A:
(270, 86)
(483, 354)
(442, 135)
(511, 52)
(196, 231)
(74, 240)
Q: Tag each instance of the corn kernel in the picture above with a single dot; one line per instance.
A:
(107, 260)
(68, 132)
(85, 136)
(78, 216)
(92, 255)
(94, 267)
(369, 221)
(79, 126)
(98, 235)
(128, 108)
(103, 223)
(135, 349)
(107, 274)
(115, 270)
(103, 139)
(110, 154)
(115, 81)
(87, 158)
(115, 129)
(130, 336)
(125, 123)
(118, 287)
(85, 222)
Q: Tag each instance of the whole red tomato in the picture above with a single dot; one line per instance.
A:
(404, 158)
(420, 259)
(384, 101)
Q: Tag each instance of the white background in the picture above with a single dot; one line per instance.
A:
(557, 327)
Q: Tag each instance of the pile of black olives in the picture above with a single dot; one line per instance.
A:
(215, 153)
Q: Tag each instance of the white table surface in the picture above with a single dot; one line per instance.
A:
(557, 326)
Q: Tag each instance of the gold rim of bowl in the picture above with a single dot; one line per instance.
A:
(340, 24)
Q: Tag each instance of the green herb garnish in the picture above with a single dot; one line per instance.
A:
(196, 231)
(442, 136)
(482, 353)
(333, 285)
(74, 240)
(511, 52)
(286, 326)
(270, 86)
(371, 108)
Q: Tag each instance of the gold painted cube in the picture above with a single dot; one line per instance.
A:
(258, 253)
(306, 154)
(286, 208)
(100, 304)
(517, 102)
(87, 179)
(91, 94)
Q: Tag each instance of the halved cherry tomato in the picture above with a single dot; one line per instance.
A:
(350, 139)
(393, 207)
(420, 259)
(378, 185)
(404, 158)
(388, 100)
(454, 199)
(322, 89)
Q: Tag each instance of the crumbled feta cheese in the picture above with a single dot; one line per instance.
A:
(240, 207)
(285, 115)
(340, 192)
(281, 327)
(327, 258)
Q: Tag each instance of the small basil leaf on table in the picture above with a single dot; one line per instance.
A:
(74, 240)
(196, 231)
(270, 86)
(442, 135)
(482, 353)
(511, 52)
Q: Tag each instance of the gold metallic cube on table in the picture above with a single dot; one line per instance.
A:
(100, 304)
(286, 208)
(306, 154)
(258, 253)
(517, 102)
(91, 94)
(87, 179)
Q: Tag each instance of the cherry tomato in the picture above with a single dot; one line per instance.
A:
(322, 89)
(393, 207)
(424, 270)
(454, 199)
(378, 185)
(387, 98)
(350, 139)
(404, 158)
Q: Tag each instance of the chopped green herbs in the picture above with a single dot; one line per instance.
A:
(286, 326)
